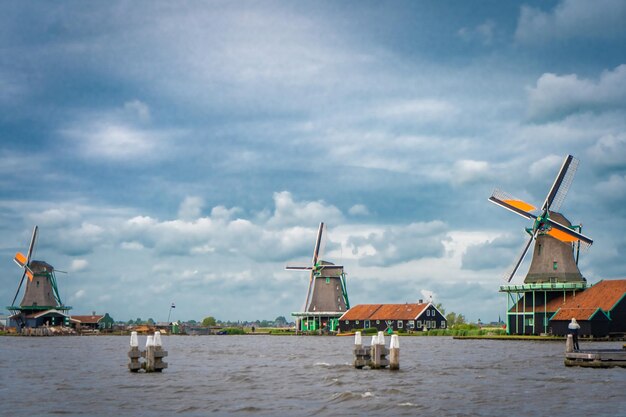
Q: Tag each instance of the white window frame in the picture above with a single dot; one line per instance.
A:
(400, 324)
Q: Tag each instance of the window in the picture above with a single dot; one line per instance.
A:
(400, 324)
(328, 280)
(356, 321)
(428, 312)
(443, 324)
(347, 321)
(419, 324)
(377, 321)
(555, 265)
(411, 324)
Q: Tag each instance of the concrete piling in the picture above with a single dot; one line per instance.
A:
(569, 344)
(394, 353)
(134, 354)
(375, 356)
(153, 354)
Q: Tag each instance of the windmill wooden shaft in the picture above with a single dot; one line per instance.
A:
(40, 291)
(327, 292)
(553, 260)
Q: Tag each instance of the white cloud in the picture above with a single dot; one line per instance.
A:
(614, 188)
(555, 96)
(131, 246)
(288, 212)
(547, 166)
(610, 150)
(572, 19)
(467, 170)
(138, 109)
(483, 33)
(190, 208)
(359, 210)
(78, 265)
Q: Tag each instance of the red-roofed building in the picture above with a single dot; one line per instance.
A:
(392, 317)
(600, 309)
(93, 322)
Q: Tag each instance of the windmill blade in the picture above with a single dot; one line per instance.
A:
(318, 242)
(308, 292)
(561, 184)
(19, 287)
(521, 258)
(565, 234)
(298, 268)
(515, 205)
(20, 259)
(31, 247)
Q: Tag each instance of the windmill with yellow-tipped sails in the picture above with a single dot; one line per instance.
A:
(41, 303)
(554, 269)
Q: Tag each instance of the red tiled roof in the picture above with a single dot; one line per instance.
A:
(580, 314)
(384, 312)
(605, 294)
(88, 319)
(360, 312)
(398, 311)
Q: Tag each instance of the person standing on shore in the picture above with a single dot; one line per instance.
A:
(573, 329)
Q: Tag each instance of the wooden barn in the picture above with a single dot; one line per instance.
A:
(393, 317)
(93, 322)
(600, 310)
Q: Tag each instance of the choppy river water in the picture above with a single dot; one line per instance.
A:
(294, 376)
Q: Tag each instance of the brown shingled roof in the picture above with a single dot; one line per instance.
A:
(580, 314)
(360, 312)
(88, 319)
(398, 311)
(384, 312)
(605, 294)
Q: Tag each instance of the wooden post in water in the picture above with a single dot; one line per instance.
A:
(569, 344)
(134, 354)
(394, 353)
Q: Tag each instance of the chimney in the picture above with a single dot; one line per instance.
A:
(420, 301)
(93, 313)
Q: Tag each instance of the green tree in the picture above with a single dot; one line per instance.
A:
(138, 321)
(151, 321)
(280, 321)
(131, 321)
(209, 321)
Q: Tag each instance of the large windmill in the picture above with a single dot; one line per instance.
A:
(326, 296)
(554, 267)
(41, 303)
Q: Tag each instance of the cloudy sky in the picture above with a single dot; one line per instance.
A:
(186, 151)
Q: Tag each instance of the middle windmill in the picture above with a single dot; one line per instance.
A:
(326, 296)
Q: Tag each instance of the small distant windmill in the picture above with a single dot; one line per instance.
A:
(327, 296)
(41, 303)
(554, 266)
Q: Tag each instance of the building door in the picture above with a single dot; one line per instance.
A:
(366, 324)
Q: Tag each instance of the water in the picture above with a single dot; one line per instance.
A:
(294, 376)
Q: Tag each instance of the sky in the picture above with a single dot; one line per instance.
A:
(187, 151)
